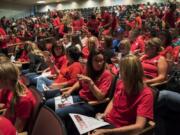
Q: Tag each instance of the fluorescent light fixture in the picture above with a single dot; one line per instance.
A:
(41, 1)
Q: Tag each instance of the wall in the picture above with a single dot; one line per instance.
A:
(90, 3)
(13, 10)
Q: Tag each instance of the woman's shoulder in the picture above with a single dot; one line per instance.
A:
(147, 91)
(106, 73)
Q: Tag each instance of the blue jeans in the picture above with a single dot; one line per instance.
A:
(41, 82)
(170, 100)
(167, 115)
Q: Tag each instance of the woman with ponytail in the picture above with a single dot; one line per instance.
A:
(15, 98)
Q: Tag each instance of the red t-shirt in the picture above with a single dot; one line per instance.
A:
(169, 18)
(6, 127)
(78, 24)
(59, 61)
(127, 108)
(24, 56)
(176, 52)
(139, 22)
(85, 52)
(56, 22)
(150, 66)
(103, 83)
(168, 49)
(93, 24)
(3, 35)
(23, 107)
(68, 73)
(138, 44)
(105, 19)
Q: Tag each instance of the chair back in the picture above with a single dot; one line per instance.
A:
(112, 87)
(39, 101)
(48, 123)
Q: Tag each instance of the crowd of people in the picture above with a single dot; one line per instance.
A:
(138, 44)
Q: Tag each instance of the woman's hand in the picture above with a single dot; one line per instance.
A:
(97, 132)
(66, 94)
(84, 78)
(100, 116)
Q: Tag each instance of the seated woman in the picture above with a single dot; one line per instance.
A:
(155, 66)
(68, 72)
(132, 104)
(14, 96)
(37, 61)
(6, 127)
(94, 85)
(91, 43)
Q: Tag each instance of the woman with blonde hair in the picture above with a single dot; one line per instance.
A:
(91, 43)
(14, 96)
(37, 62)
(154, 64)
(132, 104)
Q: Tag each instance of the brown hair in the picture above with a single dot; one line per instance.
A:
(132, 74)
(9, 73)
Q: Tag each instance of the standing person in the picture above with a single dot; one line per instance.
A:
(15, 97)
(132, 104)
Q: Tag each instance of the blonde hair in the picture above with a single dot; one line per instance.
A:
(9, 75)
(92, 42)
(33, 48)
(156, 42)
(126, 44)
(132, 74)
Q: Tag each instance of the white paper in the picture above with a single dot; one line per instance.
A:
(85, 124)
(46, 74)
(61, 102)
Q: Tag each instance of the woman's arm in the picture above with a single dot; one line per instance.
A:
(75, 87)
(46, 70)
(109, 107)
(126, 130)
(92, 87)
(162, 72)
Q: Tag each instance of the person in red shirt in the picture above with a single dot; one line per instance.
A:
(106, 23)
(6, 127)
(155, 65)
(77, 22)
(137, 42)
(3, 43)
(94, 84)
(167, 51)
(15, 97)
(93, 25)
(169, 17)
(132, 105)
(91, 44)
(68, 72)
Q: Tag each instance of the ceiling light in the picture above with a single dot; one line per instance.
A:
(41, 2)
